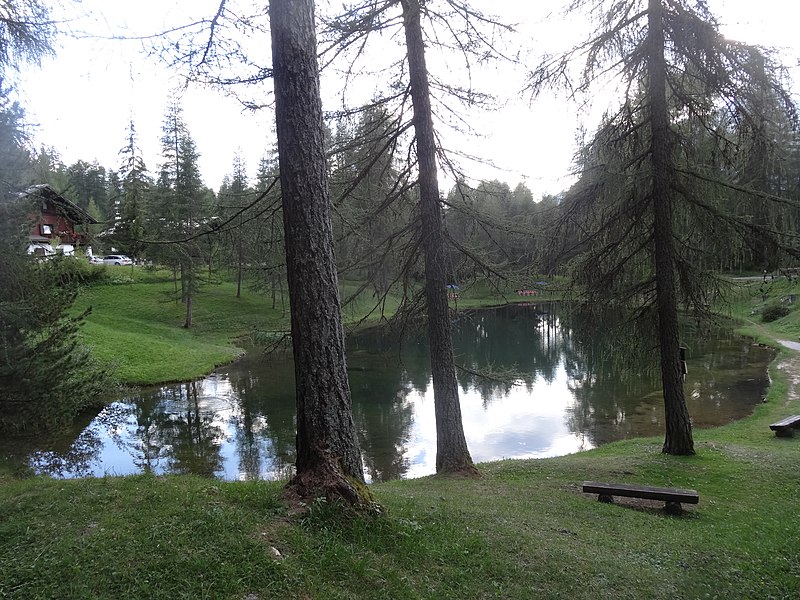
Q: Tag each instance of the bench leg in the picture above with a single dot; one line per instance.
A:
(607, 498)
(673, 508)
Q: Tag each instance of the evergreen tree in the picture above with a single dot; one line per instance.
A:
(130, 208)
(26, 31)
(623, 218)
(87, 183)
(270, 244)
(180, 205)
(46, 376)
(371, 195)
(495, 228)
(348, 36)
(235, 196)
(452, 454)
(328, 456)
(15, 159)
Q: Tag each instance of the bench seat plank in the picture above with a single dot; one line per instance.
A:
(642, 491)
(786, 423)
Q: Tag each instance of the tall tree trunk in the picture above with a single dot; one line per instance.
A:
(239, 263)
(328, 455)
(183, 283)
(678, 438)
(239, 259)
(452, 454)
(189, 299)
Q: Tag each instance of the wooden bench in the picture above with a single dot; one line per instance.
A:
(785, 427)
(673, 497)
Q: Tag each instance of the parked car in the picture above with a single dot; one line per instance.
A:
(96, 260)
(117, 259)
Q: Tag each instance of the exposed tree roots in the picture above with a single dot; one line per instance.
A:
(464, 471)
(326, 481)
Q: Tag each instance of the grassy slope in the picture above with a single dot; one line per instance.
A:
(523, 531)
(136, 325)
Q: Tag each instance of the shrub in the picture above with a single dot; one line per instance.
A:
(773, 312)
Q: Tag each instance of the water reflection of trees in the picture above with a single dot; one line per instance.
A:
(264, 388)
(608, 372)
(193, 435)
(383, 375)
(71, 453)
(173, 431)
(147, 445)
(182, 427)
(527, 339)
(383, 413)
(612, 379)
(265, 422)
(73, 461)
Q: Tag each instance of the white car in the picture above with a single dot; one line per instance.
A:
(117, 259)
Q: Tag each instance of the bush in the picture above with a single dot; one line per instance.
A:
(774, 311)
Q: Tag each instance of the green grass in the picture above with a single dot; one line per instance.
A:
(744, 302)
(138, 328)
(522, 531)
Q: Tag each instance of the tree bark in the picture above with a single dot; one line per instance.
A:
(328, 455)
(239, 266)
(452, 454)
(188, 322)
(678, 438)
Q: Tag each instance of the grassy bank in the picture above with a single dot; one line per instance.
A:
(136, 322)
(136, 325)
(522, 531)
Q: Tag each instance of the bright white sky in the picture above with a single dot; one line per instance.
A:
(83, 99)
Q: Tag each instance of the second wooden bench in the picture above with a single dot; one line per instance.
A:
(673, 497)
(786, 427)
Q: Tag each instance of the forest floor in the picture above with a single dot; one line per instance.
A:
(524, 530)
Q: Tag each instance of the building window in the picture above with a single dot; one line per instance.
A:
(46, 229)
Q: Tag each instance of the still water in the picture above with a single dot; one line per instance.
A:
(567, 396)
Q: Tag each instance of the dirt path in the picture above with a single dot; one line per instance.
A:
(791, 366)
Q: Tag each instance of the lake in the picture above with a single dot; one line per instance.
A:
(565, 396)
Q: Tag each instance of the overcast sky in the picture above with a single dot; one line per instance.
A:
(83, 98)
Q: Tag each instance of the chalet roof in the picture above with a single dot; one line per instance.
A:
(70, 209)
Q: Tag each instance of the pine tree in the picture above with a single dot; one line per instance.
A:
(179, 204)
(328, 457)
(622, 220)
(452, 454)
(130, 217)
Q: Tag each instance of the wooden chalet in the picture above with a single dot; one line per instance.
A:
(60, 226)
